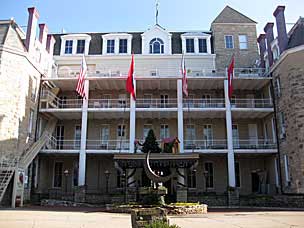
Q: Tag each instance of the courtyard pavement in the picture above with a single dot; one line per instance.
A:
(81, 218)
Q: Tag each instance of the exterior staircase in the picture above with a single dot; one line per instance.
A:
(7, 169)
(29, 154)
(9, 165)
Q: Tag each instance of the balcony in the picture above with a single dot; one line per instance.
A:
(212, 103)
(199, 145)
(251, 108)
(109, 103)
(170, 103)
(92, 146)
(48, 101)
(254, 144)
(142, 71)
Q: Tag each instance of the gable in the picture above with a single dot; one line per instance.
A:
(230, 15)
(13, 39)
(3, 32)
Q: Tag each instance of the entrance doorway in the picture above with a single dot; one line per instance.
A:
(255, 182)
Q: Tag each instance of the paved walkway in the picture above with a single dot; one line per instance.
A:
(27, 218)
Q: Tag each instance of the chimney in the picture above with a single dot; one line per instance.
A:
(50, 44)
(262, 46)
(281, 27)
(269, 36)
(43, 31)
(31, 28)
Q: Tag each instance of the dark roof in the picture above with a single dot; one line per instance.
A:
(296, 36)
(230, 15)
(96, 43)
(3, 32)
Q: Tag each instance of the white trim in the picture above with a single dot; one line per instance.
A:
(232, 41)
(284, 55)
(116, 37)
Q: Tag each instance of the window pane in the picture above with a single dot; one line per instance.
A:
(243, 41)
(123, 46)
(80, 46)
(202, 45)
(68, 47)
(229, 41)
(110, 46)
(209, 174)
(156, 46)
(190, 45)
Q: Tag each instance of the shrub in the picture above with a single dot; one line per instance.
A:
(160, 224)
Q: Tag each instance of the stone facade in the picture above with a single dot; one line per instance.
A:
(289, 101)
(231, 22)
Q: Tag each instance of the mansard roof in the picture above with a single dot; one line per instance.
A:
(230, 15)
(296, 34)
(96, 43)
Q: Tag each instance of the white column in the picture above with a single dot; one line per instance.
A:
(230, 158)
(83, 142)
(132, 120)
(180, 117)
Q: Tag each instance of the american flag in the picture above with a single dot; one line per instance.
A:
(81, 78)
(184, 74)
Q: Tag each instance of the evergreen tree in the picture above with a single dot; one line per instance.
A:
(150, 144)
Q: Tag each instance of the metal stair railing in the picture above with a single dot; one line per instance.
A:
(7, 169)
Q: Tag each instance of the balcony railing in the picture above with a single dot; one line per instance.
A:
(156, 103)
(62, 144)
(169, 72)
(50, 101)
(108, 145)
(251, 103)
(204, 103)
(205, 144)
(109, 103)
(254, 143)
(250, 72)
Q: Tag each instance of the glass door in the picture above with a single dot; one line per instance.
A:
(208, 135)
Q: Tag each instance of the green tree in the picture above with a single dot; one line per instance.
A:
(151, 144)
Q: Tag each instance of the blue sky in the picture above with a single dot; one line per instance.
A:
(138, 15)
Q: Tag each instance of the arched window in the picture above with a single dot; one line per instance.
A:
(156, 46)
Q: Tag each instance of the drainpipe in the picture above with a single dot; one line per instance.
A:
(277, 137)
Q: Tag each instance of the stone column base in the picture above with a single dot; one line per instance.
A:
(80, 194)
(233, 197)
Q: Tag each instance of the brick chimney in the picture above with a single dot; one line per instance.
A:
(43, 31)
(281, 27)
(269, 36)
(262, 46)
(31, 28)
(50, 44)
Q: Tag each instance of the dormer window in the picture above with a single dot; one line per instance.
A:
(202, 45)
(117, 43)
(110, 46)
(156, 46)
(80, 46)
(190, 45)
(68, 47)
(196, 43)
(75, 44)
(123, 46)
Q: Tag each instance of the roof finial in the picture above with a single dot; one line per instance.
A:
(156, 13)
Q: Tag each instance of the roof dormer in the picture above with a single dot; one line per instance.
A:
(196, 43)
(75, 44)
(156, 40)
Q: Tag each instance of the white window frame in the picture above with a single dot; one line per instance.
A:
(243, 42)
(75, 38)
(116, 37)
(209, 142)
(168, 131)
(201, 52)
(161, 46)
(111, 47)
(119, 40)
(191, 52)
(196, 36)
(102, 142)
(226, 42)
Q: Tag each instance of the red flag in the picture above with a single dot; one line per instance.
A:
(184, 74)
(81, 79)
(130, 83)
(230, 77)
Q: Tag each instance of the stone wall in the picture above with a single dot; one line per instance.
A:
(283, 201)
(290, 72)
(243, 58)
